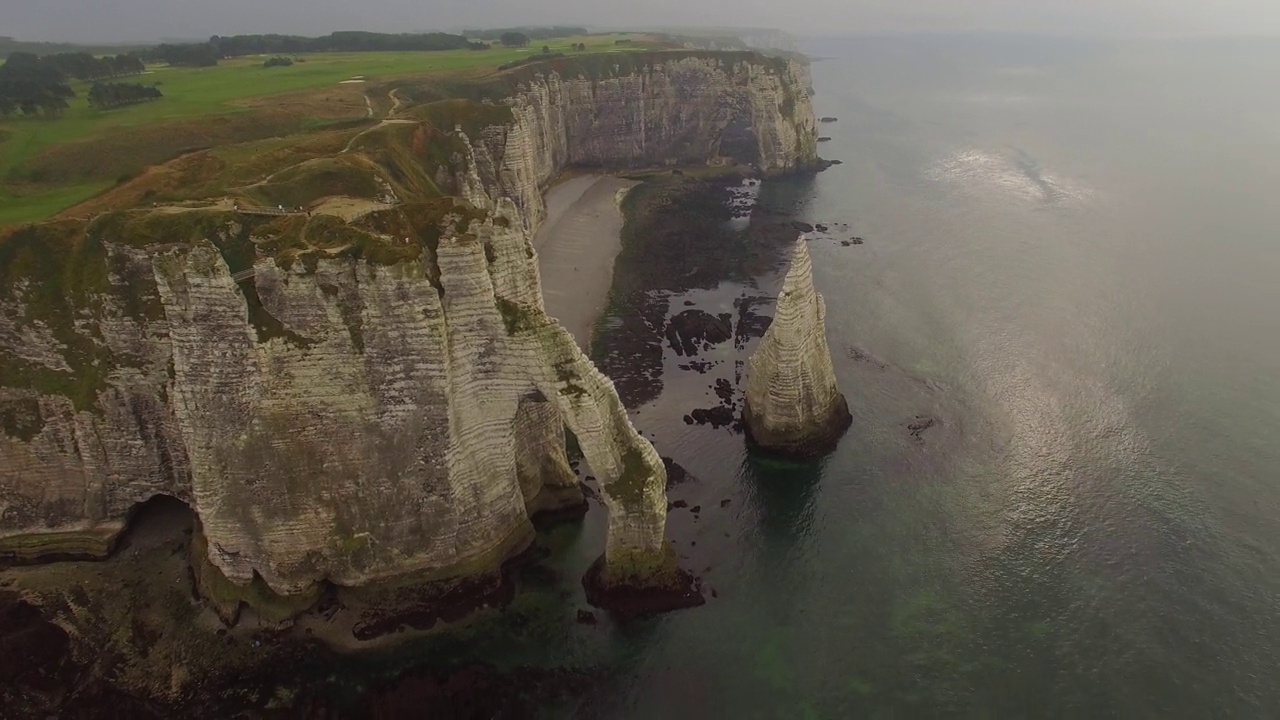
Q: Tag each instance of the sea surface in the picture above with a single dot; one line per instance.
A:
(1072, 267)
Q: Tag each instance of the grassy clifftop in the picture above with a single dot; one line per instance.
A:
(47, 166)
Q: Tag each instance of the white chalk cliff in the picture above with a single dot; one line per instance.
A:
(386, 408)
(793, 406)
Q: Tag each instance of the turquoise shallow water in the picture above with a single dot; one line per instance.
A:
(1072, 264)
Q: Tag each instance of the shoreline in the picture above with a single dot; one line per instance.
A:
(577, 245)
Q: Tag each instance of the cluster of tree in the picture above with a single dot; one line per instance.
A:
(83, 66)
(187, 54)
(32, 87)
(345, 41)
(105, 96)
(533, 33)
(514, 39)
(579, 46)
(278, 61)
(11, 45)
(218, 47)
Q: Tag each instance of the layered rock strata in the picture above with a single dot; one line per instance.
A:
(378, 410)
(716, 107)
(793, 406)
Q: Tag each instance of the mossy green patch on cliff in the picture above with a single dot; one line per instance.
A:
(418, 159)
(632, 479)
(473, 117)
(232, 234)
(566, 373)
(33, 547)
(516, 318)
(20, 417)
(433, 219)
(226, 596)
(59, 280)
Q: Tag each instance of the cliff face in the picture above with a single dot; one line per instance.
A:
(792, 405)
(383, 408)
(684, 110)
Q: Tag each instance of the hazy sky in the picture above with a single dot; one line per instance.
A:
(138, 20)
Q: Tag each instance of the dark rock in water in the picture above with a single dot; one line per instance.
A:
(824, 138)
(695, 509)
(802, 226)
(750, 324)
(821, 227)
(716, 417)
(691, 330)
(845, 243)
(724, 389)
(586, 617)
(828, 119)
(689, 303)
(919, 425)
(699, 366)
(688, 420)
(682, 590)
(725, 502)
(676, 474)
(856, 240)
(679, 504)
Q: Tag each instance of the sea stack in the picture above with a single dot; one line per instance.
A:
(793, 407)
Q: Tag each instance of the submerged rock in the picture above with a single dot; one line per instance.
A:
(694, 330)
(793, 407)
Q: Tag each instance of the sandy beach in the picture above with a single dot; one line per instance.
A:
(576, 246)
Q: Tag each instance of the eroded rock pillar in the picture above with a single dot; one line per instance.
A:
(793, 406)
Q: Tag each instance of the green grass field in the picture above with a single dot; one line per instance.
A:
(201, 92)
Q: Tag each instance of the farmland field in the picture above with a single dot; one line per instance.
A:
(49, 165)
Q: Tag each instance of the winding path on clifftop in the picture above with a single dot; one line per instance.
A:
(576, 246)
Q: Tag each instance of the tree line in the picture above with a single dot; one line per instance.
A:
(83, 66)
(32, 86)
(533, 33)
(39, 85)
(218, 47)
(105, 96)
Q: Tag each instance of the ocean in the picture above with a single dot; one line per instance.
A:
(1072, 266)
(1060, 342)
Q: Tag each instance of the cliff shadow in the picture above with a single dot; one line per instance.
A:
(782, 493)
(159, 519)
